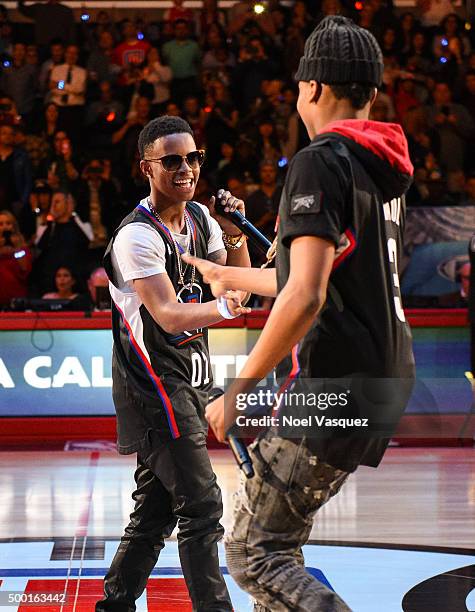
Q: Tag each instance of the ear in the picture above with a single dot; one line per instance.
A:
(374, 95)
(146, 169)
(315, 91)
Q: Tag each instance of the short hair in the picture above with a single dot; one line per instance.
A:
(166, 125)
(359, 94)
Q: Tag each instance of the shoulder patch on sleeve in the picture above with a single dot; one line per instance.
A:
(306, 203)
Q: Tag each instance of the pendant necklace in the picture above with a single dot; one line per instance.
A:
(181, 270)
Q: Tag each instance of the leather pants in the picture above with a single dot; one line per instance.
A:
(175, 484)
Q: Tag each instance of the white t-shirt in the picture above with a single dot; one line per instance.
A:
(139, 251)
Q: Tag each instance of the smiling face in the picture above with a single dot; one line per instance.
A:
(176, 187)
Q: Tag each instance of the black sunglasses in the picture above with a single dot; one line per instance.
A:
(171, 163)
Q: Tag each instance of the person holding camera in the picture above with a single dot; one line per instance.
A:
(15, 260)
(65, 238)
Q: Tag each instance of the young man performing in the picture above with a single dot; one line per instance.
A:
(338, 312)
(161, 369)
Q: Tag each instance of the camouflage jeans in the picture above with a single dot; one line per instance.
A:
(273, 519)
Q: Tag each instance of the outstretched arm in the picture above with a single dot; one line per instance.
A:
(294, 311)
(221, 278)
(159, 298)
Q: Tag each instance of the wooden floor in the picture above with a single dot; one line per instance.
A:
(422, 497)
(417, 501)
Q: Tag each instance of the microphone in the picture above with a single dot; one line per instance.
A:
(237, 446)
(246, 227)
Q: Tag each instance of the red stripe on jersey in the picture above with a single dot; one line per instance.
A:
(155, 379)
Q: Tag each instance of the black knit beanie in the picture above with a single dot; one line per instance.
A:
(338, 51)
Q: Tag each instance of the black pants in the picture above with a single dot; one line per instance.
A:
(175, 483)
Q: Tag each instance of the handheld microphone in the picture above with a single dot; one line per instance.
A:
(237, 446)
(246, 227)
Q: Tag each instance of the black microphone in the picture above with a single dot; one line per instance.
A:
(238, 447)
(246, 227)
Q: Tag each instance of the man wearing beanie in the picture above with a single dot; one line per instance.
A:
(337, 326)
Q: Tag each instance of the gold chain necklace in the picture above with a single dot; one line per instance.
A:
(181, 271)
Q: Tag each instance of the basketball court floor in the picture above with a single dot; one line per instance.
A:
(398, 538)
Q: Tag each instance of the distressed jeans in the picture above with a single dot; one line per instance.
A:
(273, 519)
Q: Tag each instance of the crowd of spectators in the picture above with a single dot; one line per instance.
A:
(75, 93)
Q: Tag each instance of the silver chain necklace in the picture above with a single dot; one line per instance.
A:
(181, 270)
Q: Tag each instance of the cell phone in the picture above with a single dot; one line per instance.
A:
(60, 85)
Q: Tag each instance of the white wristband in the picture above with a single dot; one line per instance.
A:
(222, 306)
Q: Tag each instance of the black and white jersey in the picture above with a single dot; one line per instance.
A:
(173, 372)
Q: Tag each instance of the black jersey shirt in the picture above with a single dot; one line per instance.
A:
(160, 381)
(348, 187)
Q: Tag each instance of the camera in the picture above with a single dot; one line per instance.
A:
(60, 84)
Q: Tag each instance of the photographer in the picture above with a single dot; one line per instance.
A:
(64, 238)
(15, 260)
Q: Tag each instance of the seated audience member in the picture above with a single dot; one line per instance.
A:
(103, 118)
(65, 238)
(65, 285)
(132, 51)
(98, 286)
(15, 260)
(19, 81)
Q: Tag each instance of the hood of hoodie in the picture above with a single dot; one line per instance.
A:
(382, 150)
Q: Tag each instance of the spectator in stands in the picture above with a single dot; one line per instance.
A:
(419, 58)
(103, 119)
(468, 94)
(451, 27)
(98, 203)
(254, 67)
(19, 81)
(68, 91)
(159, 75)
(64, 238)
(65, 283)
(132, 51)
(40, 204)
(15, 260)
(458, 299)
(56, 58)
(51, 19)
(49, 123)
(453, 125)
(127, 135)
(61, 166)
(98, 286)
(262, 206)
(15, 173)
(183, 55)
(100, 65)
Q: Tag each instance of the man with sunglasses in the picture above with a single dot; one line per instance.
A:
(161, 369)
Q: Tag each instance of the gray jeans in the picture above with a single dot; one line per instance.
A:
(273, 519)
